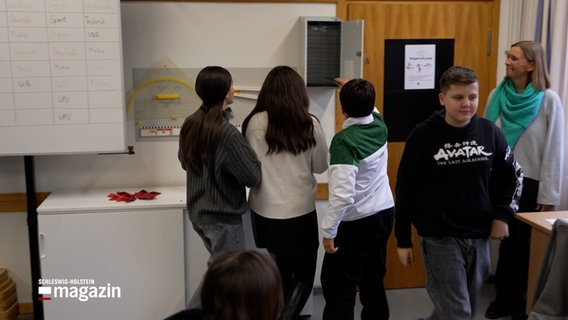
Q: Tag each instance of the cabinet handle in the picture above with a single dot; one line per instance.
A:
(41, 239)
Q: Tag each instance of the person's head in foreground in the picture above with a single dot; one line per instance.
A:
(242, 285)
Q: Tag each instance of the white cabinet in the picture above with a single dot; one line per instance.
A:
(138, 247)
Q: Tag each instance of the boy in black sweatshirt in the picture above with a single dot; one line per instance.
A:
(459, 184)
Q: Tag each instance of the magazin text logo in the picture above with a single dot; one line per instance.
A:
(80, 289)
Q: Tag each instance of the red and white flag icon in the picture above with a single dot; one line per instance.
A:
(44, 291)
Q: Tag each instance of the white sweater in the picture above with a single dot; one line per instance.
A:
(540, 148)
(288, 185)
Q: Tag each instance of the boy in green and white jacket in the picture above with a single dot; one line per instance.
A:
(359, 217)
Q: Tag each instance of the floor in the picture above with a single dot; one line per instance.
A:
(409, 304)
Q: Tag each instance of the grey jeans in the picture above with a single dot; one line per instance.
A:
(455, 271)
(218, 238)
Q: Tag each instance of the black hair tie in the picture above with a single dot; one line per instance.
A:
(204, 108)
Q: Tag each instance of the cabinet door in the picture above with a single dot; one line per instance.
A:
(139, 252)
(352, 49)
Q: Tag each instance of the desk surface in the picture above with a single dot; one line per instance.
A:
(540, 220)
(91, 200)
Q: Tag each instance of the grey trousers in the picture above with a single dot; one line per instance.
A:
(218, 238)
(455, 271)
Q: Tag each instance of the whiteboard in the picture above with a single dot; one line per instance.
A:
(61, 78)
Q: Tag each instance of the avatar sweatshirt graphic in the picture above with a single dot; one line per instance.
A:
(455, 181)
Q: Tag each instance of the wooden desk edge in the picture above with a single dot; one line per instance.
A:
(538, 220)
(541, 229)
(17, 202)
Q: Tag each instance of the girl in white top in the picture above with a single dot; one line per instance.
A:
(291, 146)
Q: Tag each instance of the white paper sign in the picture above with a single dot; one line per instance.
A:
(419, 70)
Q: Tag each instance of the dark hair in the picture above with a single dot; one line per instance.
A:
(456, 75)
(534, 53)
(199, 134)
(242, 285)
(357, 98)
(284, 97)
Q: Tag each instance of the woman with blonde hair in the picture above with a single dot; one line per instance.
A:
(531, 117)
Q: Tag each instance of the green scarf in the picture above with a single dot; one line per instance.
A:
(517, 110)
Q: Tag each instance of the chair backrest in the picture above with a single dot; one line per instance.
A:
(551, 294)
(292, 306)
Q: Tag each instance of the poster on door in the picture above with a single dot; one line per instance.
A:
(420, 66)
(410, 88)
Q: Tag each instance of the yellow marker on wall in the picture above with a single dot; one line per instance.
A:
(166, 96)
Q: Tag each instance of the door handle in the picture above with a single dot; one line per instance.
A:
(41, 240)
